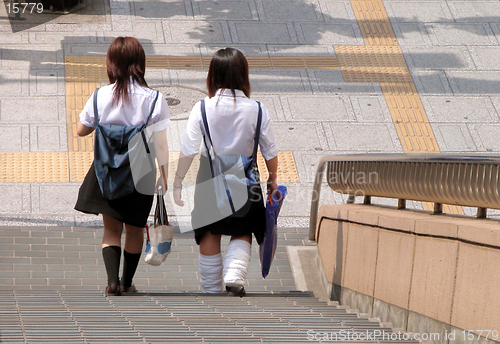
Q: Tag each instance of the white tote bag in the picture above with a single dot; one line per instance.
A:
(160, 235)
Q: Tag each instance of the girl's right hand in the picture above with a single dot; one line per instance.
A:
(272, 186)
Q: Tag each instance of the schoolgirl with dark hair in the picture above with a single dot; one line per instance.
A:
(126, 101)
(232, 120)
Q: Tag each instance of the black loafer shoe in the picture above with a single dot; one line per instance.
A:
(236, 290)
(113, 290)
(128, 290)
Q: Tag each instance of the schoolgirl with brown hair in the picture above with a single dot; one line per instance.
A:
(128, 102)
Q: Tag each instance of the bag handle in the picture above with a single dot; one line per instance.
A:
(161, 216)
(147, 232)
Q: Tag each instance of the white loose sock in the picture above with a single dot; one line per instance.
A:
(236, 262)
(210, 268)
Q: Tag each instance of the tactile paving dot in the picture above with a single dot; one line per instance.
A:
(30, 167)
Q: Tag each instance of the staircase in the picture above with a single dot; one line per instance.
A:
(52, 283)
(50, 316)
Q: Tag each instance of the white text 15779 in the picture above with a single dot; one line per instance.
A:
(24, 7)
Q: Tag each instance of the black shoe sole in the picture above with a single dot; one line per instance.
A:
(236, 291)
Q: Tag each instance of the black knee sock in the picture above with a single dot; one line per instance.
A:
(130, 262)
(111, 256)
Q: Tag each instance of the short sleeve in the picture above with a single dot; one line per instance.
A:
(190, 145)
(267, 142)
(161, 114)
(87, 114)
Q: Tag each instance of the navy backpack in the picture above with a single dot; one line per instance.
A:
(112, 144)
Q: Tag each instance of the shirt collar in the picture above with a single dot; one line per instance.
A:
(227, 92)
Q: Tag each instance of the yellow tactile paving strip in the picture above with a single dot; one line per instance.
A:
(374, 22)
(79, 164)
(381, 60)
(93, 68)
(287, 170)
(77, 94)
(85, 68)
(372, 64)
(63, 167)
(410, 119)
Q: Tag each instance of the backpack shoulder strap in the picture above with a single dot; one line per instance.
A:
(205, 122)
(207, 134)
(96, 117)
(257, 133)
(152, 108)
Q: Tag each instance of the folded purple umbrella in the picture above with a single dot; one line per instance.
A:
(268, 246)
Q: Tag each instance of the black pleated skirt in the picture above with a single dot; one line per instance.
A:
(253, 222)
(132, 209)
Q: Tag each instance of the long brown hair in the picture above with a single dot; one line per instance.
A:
(125, 60)
(229, 70)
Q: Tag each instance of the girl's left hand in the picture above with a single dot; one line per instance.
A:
(178, 195)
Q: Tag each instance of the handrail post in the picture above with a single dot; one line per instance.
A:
(438, 208)
(481, 213)
(313, 216)
(401, 203)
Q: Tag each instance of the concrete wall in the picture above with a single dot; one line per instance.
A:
(424, 273)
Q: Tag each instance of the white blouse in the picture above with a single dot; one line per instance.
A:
(133, 113)
(232, 126)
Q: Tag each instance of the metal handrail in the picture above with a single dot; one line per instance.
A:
(463, 180)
